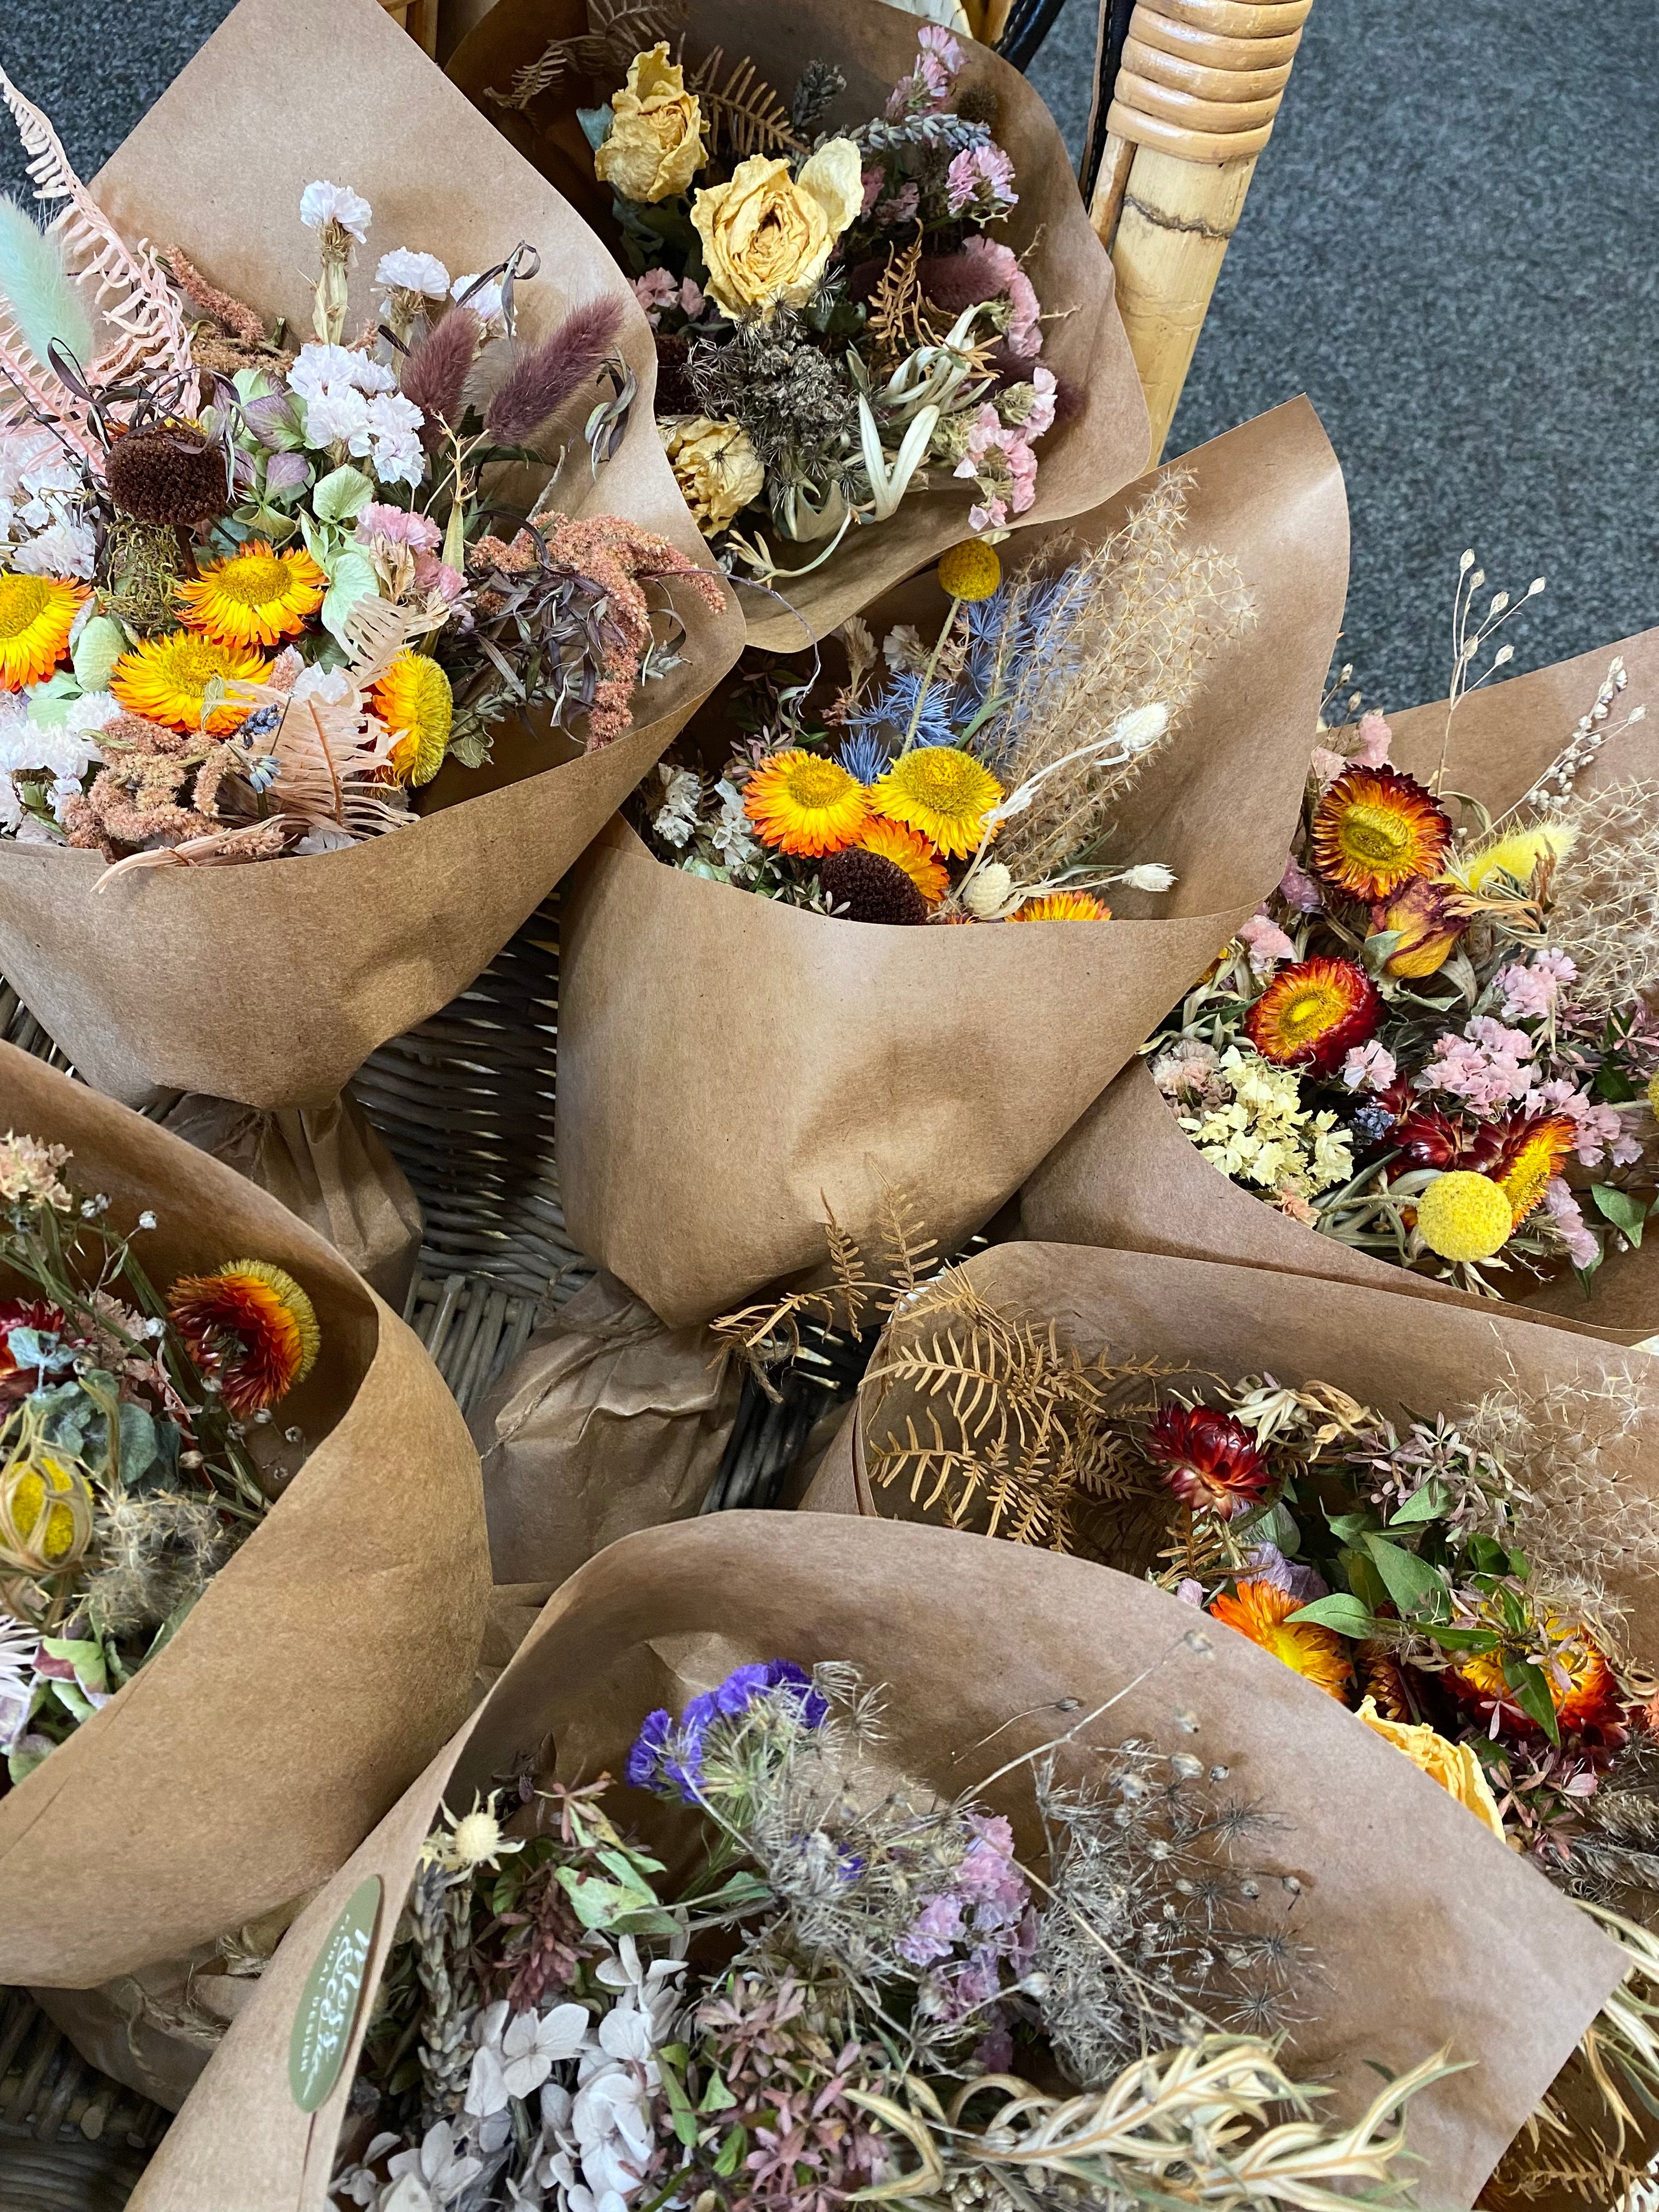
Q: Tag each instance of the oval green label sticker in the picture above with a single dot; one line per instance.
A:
(333, 1992)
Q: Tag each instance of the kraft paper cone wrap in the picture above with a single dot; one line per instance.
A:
(608, 1421)
(728, 1063)
(1428, 1931)
(1081, 461)
(270, 984)
(1127, 1175)
(323, 1662)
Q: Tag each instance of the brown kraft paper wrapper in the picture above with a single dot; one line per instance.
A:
(1479, 1953)
(323, 1662)
(607, 1421)
(1127, 1176)
(270, 983)
(1080, 462)
(727, 1062)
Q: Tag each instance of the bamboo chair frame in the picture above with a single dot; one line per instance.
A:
(1186, 95)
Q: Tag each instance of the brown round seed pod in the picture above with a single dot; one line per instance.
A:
(167, 476)
(866, 887)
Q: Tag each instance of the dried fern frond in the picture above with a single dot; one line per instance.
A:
(853, 1286)
(899, 321)
(767, 1335)
(1018, 1437)
(1605, 912)
(1194, 2124)
(616, 31)
(151, 338)
(743, 114)
(1128, 626)
(907, 1252)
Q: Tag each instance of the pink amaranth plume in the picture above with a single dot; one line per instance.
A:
(540, 381)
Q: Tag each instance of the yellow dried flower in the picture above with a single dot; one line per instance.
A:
(716, 468)
(768, 236)
(1463, 1216)
(970, 570)
(655, 144)
(1453, 1765)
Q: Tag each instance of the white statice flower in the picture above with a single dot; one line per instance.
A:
(905, 650)
(323, 837)
(357, 2185)
(388, 439)
(732, 834)
(319, 368)
(485, 302)
(322, 203)
(401, 270)
(676, 821)
(20, 1646)
(65, 752)
(1263, 1134)
(62, 548)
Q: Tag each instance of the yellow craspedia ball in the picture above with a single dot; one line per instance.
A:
(1653, 1092)
(970, 570)
(1464, 1216)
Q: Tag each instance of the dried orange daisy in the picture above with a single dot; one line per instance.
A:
(414, 700)
(1374, 830)
(250, 1327)
(36, 614)
(1063, 906)
(255, 597)
(941, 791)
(1582, 1684)
(1532, 1154)
(1261, 1611)
(909, 850)
(799, 802)
(166, 679)
(1313, 1012)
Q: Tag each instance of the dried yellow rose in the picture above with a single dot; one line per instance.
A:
(716, 468)
(655, 145)
(768, 236)
(1453, 1765)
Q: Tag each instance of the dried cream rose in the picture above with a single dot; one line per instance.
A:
(767, 236)
(655, 144)
(716, 468)
(1453, 1765)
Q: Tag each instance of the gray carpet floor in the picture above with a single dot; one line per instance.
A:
(1447, 245)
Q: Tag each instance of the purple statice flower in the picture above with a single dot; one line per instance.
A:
(989, 1876)
(665, 1758)
(1568, 1222)
(993, 2053)
(901, 207)
(1299, 889)
(928, 89)
(1375, 738)
(1369, 1066)
(668, 1757)
(399, 526)
(934, 1933)
(1267, 1564)
(979, 182)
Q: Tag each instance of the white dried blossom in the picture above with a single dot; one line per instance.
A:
(401, 270)
(322, 203)
(1146, 876)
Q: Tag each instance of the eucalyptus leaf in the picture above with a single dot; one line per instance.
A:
(342, 494)
(596, 124)
(1410, 1583)
(1627, 1214)
(139, 1448)
(353, 579)
(1425, 1505)
(1340, 1612)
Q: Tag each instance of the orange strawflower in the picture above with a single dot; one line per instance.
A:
(1532, 1154)
(36, 614)
(801, 802)
(1261, 1611)
(1311, 1013)
(909, 850)
(1063, 906)
(1374, 830)
(255, 597)
(250, 1327)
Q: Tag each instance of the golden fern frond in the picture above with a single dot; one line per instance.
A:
(133, 296)
(743, 111)
(616, 31)
(907, 1250)
(853, 1286)
(898, 319)
(767, 1335)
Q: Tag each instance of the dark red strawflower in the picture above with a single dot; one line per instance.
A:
(17, 1382)
(1430, 1139)
(1208, 1458)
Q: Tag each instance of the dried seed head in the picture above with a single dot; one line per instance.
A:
(168, 475)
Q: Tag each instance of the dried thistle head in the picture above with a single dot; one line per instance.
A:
(157, 1550)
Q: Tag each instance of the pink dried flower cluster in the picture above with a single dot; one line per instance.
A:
(1532, 989)
(657, 290)
(1568, 1223)
(987, 1913)
(981, 182)
(928, 89)
(986, 262)
(998, 456)
(1487, 1066)
(1265, 943)
(1369, 1067)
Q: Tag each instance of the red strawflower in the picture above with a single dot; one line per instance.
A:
(1311, 1014)
(40, 1314)
(1208, 1458)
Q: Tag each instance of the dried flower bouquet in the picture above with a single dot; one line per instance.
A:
(902, 1923)
(238, 1512)
(879, 307)
(1466, 1117)
(1454, 1541)
(1101, 737)
(339, 421)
